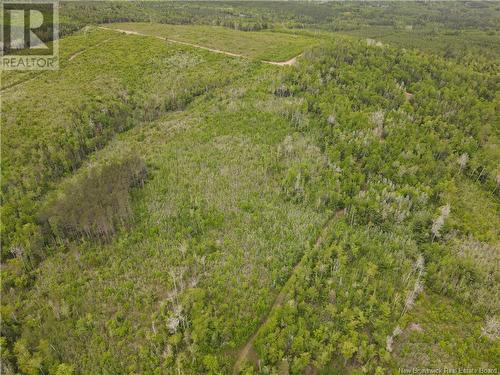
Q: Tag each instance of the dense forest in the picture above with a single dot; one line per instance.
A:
(459, 30)
(174, 210)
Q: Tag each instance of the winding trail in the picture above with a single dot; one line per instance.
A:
(248, 351)
(78, 53)
(24, 80)
(40, 73)
(292, 61)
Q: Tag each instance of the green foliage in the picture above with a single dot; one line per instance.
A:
(65, 369)
(396, 169)
(96, 202)
(395, 150)
(466, 31)
(447, 333)
(86, 113)
(270, 46)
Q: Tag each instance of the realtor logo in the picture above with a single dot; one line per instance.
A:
(29, 35)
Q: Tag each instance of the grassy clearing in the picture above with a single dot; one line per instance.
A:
(262, 45)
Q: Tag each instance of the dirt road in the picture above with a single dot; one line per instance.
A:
(248, 349)
(129, 32)
(78, 53)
